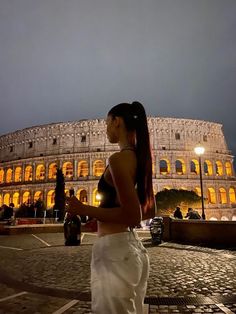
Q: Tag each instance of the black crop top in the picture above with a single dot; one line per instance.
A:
(107, 192)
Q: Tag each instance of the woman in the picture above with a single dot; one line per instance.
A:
(120, 265)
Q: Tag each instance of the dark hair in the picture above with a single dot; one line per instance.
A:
(135, 119)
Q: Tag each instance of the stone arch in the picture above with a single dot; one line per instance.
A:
(28, 173)
(166, 188)
(219, 168)
(18, 174)
(223, 196)
(194, 166)
(232, 197)
(9, 175)
(40, 172)
(228, 168)
(52, 170)
(98, 168)
(50, 198)
(211, 195)
(208, 169)
(1, 175)
(1, 202)
(6, 199)
(26, 197)
(38, 195)
(82, 195)
(197, 190)
(96, 198)
(213, 218)
(164, 166)
(83, 169)
(224, 218)
(180, 167)
(16, 199)
(67, 169)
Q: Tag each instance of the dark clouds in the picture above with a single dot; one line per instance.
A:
(65, 60)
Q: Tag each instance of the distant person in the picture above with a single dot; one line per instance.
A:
(178, 214)
(192, 214)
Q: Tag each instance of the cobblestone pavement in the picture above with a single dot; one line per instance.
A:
(38, 274)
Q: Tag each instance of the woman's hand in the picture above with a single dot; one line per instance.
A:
(74, 206)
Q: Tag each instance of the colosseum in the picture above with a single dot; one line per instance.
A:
(29, 159)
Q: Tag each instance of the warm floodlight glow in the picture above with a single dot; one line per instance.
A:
(98, 197)
(199, 150)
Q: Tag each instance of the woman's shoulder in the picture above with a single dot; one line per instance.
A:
(124, 159)
(122, 155)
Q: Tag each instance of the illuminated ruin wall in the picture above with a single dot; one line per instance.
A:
(29, 158)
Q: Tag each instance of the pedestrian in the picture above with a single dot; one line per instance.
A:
(120, 264)
(178, 214)
(192, 214)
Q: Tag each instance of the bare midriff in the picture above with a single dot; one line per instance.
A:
(105, 228)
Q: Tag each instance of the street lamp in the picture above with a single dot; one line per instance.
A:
(199, 150)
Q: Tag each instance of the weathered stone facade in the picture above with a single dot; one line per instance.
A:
(29, 157)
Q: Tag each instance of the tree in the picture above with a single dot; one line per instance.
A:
(168, 200)
(60, 196)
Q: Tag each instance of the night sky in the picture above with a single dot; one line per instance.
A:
(65, 60)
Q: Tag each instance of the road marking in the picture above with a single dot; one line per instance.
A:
(44, 242)
(224, 308)
(82, 236)
(66, 307)
(13, 296)
(90, 233)
(11, 248)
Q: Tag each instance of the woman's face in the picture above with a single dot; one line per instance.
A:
(111, 129)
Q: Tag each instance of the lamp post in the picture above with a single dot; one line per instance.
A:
(199, 150)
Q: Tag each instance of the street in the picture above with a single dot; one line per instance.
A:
(40, 275)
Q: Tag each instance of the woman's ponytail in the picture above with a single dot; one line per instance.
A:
(144, 158)
(135, 119)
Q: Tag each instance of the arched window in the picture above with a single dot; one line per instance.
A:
(18, 173)
(98, 168)
(211, 196)
(38, 195)
(67, 169)
(26, 197)
(153, 167)
(232, 198)
(1, 175)
(83, 168)
(6, 199)
(223, 196)
(9, 175)
(16, 199)
(51, 198)
(96, 198)
(1, 202)
(208, 170)
(82, 196)
(219, 168)
(52, 171)
(28, 173)
(179, 166)
(228, 168)
(224, 218)
(194, 166)
(164, 166)
(40, 172)
(198, 191)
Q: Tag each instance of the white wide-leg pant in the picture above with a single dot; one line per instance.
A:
(119, 274)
